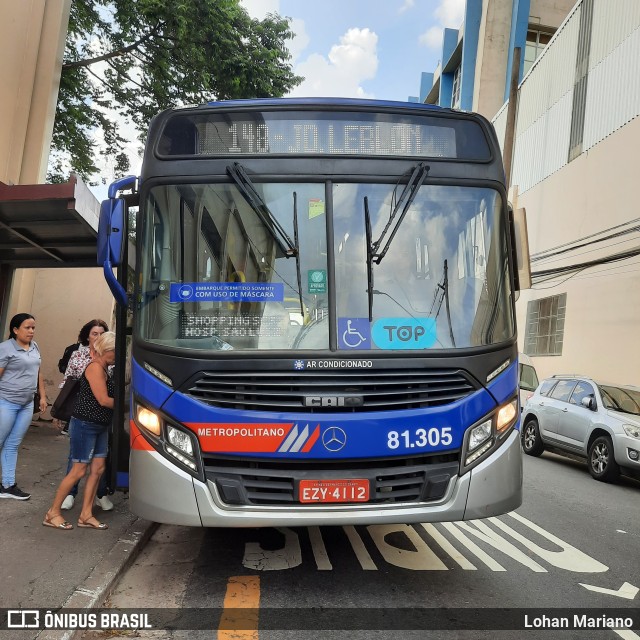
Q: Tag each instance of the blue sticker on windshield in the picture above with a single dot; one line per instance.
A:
(404, 333)
(227, 292)
(354, 333)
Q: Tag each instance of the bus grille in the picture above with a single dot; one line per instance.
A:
(390, 481)
(371, 390)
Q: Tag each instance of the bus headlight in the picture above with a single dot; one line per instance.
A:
(486, 436)
(180, 445)
(174, 442)
(180, 440)
(479, 434)
(148, 419)
(506, 415)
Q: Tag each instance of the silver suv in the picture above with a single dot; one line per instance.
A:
(598, 421)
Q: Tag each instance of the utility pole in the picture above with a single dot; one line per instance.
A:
(510, 133)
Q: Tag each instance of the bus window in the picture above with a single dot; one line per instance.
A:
(215, 278)
(444, 270)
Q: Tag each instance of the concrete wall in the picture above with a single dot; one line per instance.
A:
(492, 73)
(549, 13)
(491, 64)
(32, 38)
(597, 191)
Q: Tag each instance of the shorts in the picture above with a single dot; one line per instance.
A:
(88, 440)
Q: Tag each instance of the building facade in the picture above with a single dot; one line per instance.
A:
(573, 166)
(575, 172)
(476, 59)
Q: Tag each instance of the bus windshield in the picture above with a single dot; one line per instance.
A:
(216, 274)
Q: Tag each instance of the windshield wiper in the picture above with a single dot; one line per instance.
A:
(297, 249)
(367, 228)
(418, 176)
(254, 200)
(445, 289)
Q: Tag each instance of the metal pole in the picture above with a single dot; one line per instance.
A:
(509, 136)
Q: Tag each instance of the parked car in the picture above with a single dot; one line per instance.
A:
(527, 378)
(594, 420)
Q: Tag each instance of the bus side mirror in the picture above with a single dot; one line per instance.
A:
(111, 232)
(520, 244)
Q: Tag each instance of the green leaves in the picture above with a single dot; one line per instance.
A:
(126, 60)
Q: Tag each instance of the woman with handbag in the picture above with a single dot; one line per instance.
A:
(19, 379)
(78, 362)
(89, 436)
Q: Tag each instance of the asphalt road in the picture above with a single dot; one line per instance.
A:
(574, 544)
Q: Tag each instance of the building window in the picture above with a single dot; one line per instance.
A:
(536, 42)
(544, 331)
(455, 91)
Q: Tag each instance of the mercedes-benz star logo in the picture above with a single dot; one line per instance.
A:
(334, 438)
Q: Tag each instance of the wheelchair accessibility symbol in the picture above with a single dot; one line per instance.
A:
(354, 333)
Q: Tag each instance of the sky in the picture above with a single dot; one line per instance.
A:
(363, 48)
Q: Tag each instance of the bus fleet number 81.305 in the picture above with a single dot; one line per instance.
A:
(420, 438)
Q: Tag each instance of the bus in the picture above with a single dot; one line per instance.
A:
(323, 314)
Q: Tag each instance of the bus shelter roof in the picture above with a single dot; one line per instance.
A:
(48, 225)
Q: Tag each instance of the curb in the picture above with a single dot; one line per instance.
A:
(93, 592)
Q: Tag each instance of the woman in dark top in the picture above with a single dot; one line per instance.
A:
(89, 428)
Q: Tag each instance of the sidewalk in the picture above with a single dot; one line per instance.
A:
(48, 568)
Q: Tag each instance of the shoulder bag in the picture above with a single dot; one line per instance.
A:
(63, 406)
(36, 402)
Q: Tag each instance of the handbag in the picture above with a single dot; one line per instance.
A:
(63, 406)
(36, 402)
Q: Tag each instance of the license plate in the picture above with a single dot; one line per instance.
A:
(348, 490)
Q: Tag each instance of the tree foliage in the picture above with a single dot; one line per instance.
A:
(126, 60)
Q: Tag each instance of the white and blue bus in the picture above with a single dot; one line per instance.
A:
(323, 316)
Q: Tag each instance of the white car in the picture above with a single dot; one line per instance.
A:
(527, 378)
(594, 420)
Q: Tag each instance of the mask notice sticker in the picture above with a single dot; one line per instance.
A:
(227, 292)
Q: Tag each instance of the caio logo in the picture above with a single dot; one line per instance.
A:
(344, 402)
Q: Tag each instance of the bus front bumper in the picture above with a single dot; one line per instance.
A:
(161, 492)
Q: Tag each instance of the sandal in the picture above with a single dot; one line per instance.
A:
(89, 524)
(64, 525)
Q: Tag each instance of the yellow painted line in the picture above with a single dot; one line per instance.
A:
(243, 592)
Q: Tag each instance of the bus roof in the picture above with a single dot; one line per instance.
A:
(325, 102)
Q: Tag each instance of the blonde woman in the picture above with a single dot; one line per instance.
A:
(89, 428)
(78, 362)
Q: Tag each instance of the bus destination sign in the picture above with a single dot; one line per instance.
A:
(332, 139)
(282, 133)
